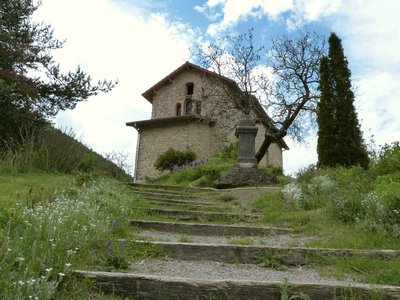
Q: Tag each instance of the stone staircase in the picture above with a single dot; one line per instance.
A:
(216, 250)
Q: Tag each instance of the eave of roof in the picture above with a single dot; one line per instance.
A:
(142, 124)
(149, 94)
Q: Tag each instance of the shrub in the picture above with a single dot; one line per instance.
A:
(389, 193)
(173, 157)
(388, 159)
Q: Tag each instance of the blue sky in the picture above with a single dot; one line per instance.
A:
(139, 42)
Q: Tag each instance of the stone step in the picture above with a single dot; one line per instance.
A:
(288, 256)
(202, 215)
(139, 286)
(210, 229)
(182, 200)
(169, 188)
(163, 195)
(190, 205)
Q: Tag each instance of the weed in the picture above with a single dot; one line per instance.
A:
(269, 259)
(141, 250)
(184, 238)
(226, 198)
(286, 292)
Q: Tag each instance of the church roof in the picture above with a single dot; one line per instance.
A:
(169, 78)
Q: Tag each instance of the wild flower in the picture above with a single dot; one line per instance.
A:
(191, 164)
(321, 185)
(292, 194)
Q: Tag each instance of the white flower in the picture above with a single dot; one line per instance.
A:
(48, 269)
(61, 274)
(67, 265)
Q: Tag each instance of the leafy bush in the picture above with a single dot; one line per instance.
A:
(173, 157)
(198, 175)
(388, 160)
(389, 194)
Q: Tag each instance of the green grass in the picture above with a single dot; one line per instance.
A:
(329, 231)
(373, 270)
(226, 198)
(58, 227)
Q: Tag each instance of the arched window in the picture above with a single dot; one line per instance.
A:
(198, 108)
(189, 107)
(178, 109)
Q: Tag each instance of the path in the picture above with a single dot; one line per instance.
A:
(217, 250)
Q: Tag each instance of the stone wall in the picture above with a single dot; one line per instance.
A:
(166, 100)
(155, 141)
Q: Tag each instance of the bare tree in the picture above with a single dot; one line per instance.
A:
(285, 84)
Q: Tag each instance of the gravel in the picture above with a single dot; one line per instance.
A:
(275, 241)
(223, 271)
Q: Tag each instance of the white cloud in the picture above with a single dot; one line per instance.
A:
(378, 100)
(238, 10)
(114, 43)
(299, 156)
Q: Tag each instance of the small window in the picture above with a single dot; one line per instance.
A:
(189, 88)
(178, 109)
(189, 107)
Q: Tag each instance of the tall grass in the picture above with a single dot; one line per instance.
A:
(43, 239)
(351, 208)
(55, 150)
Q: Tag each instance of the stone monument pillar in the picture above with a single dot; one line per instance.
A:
(246, 133)
(245, 172)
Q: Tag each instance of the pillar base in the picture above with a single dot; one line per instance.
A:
(240, 177)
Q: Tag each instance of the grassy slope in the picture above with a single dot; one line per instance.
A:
(54, 223)
(69, 220)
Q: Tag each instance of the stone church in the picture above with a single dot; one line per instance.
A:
(194, 108)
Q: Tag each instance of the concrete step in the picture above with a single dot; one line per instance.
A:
(169, 188)
(139, 286)
(182, 201)
(190, 206)
(287, 256)
(202, 215)
(210, 229)
(164, 195)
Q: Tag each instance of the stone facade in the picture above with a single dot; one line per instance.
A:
(191, 110)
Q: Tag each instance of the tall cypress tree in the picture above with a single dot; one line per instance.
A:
(344, 134)
(327, 135)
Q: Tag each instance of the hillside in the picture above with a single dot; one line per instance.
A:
(345, 221)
